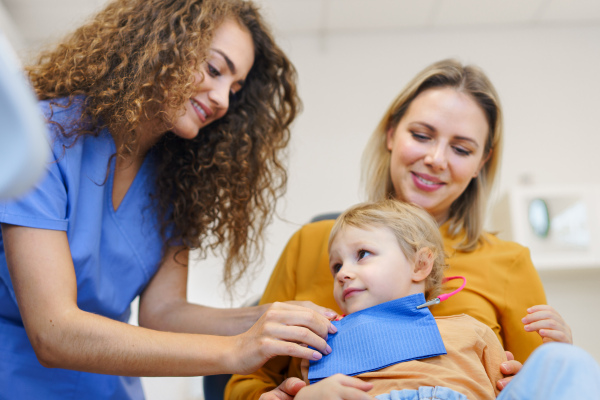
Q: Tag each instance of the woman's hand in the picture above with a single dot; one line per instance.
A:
(326, 312)
(548, 323)
(283, 330)
(509, 368)
(336, 387)
(286, 391)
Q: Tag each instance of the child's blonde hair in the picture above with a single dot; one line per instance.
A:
(413, 227)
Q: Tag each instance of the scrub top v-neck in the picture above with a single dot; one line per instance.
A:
(115, 254)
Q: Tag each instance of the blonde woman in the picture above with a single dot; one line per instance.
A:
(437, 146)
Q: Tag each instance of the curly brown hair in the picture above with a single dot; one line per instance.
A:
(135, 61)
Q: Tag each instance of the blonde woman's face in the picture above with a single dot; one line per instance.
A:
(230, 59)
(436, 149)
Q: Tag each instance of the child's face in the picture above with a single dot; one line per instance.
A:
(369, 268)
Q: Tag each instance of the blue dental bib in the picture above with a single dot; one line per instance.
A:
(378, 337)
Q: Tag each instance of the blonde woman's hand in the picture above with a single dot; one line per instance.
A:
(282, 330)
(548, 323)
(336, 387)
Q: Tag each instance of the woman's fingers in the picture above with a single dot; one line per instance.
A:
(292, 314)
(326, 312)
(282, 330)
(545, 320)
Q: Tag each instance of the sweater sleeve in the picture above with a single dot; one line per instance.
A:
(523, 289)
(493, 355)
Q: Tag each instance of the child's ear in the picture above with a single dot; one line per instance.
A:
(423, 264)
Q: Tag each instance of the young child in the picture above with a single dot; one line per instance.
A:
(384, 251)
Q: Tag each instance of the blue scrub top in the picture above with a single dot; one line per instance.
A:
(115, 254)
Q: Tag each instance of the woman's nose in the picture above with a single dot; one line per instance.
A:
(436, 157)
(219, 97)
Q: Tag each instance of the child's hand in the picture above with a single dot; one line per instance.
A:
(548, 323)
(336, 387)
(285, 391)
(509, 369)
(304, 364)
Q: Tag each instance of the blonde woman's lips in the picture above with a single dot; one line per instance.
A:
(426, 183)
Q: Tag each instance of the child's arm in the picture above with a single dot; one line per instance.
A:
(492, 358)
(336, 387)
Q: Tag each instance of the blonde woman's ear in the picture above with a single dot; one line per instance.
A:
(390, 138)
(423, 264)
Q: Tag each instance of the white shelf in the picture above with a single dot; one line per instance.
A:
(573, 240)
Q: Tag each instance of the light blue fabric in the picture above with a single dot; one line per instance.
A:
(397, 332)
(115, 254)
(423, 393)
(555, 371)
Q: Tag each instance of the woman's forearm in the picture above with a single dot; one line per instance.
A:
(88, 342)
(193, 318)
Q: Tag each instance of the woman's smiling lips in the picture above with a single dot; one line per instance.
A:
(349, 292)
(426, 182)
(202, 111)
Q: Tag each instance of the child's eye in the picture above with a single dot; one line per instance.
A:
(363, 253)
(336, 268)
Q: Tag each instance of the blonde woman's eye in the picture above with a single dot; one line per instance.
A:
(462, 151)
(419, 136)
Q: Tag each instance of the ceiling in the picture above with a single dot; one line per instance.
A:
(32, 22)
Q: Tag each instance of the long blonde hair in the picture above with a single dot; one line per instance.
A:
(467, 212)
(135, 61)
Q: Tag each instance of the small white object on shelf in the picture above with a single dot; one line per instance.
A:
(560, 224)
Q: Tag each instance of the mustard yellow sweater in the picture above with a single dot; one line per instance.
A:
(501, 284)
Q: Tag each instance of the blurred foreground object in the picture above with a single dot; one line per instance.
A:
(23, 141)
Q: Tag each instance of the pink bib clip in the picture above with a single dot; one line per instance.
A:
(445, 296)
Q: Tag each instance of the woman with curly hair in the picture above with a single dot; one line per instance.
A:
(167, 120)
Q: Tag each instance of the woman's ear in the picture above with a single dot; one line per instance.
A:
(389, 140)
(423, 264)
(482, 163)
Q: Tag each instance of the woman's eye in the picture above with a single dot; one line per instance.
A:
(363, 253)
(419, 136)
(461, 151)
(213, 71)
